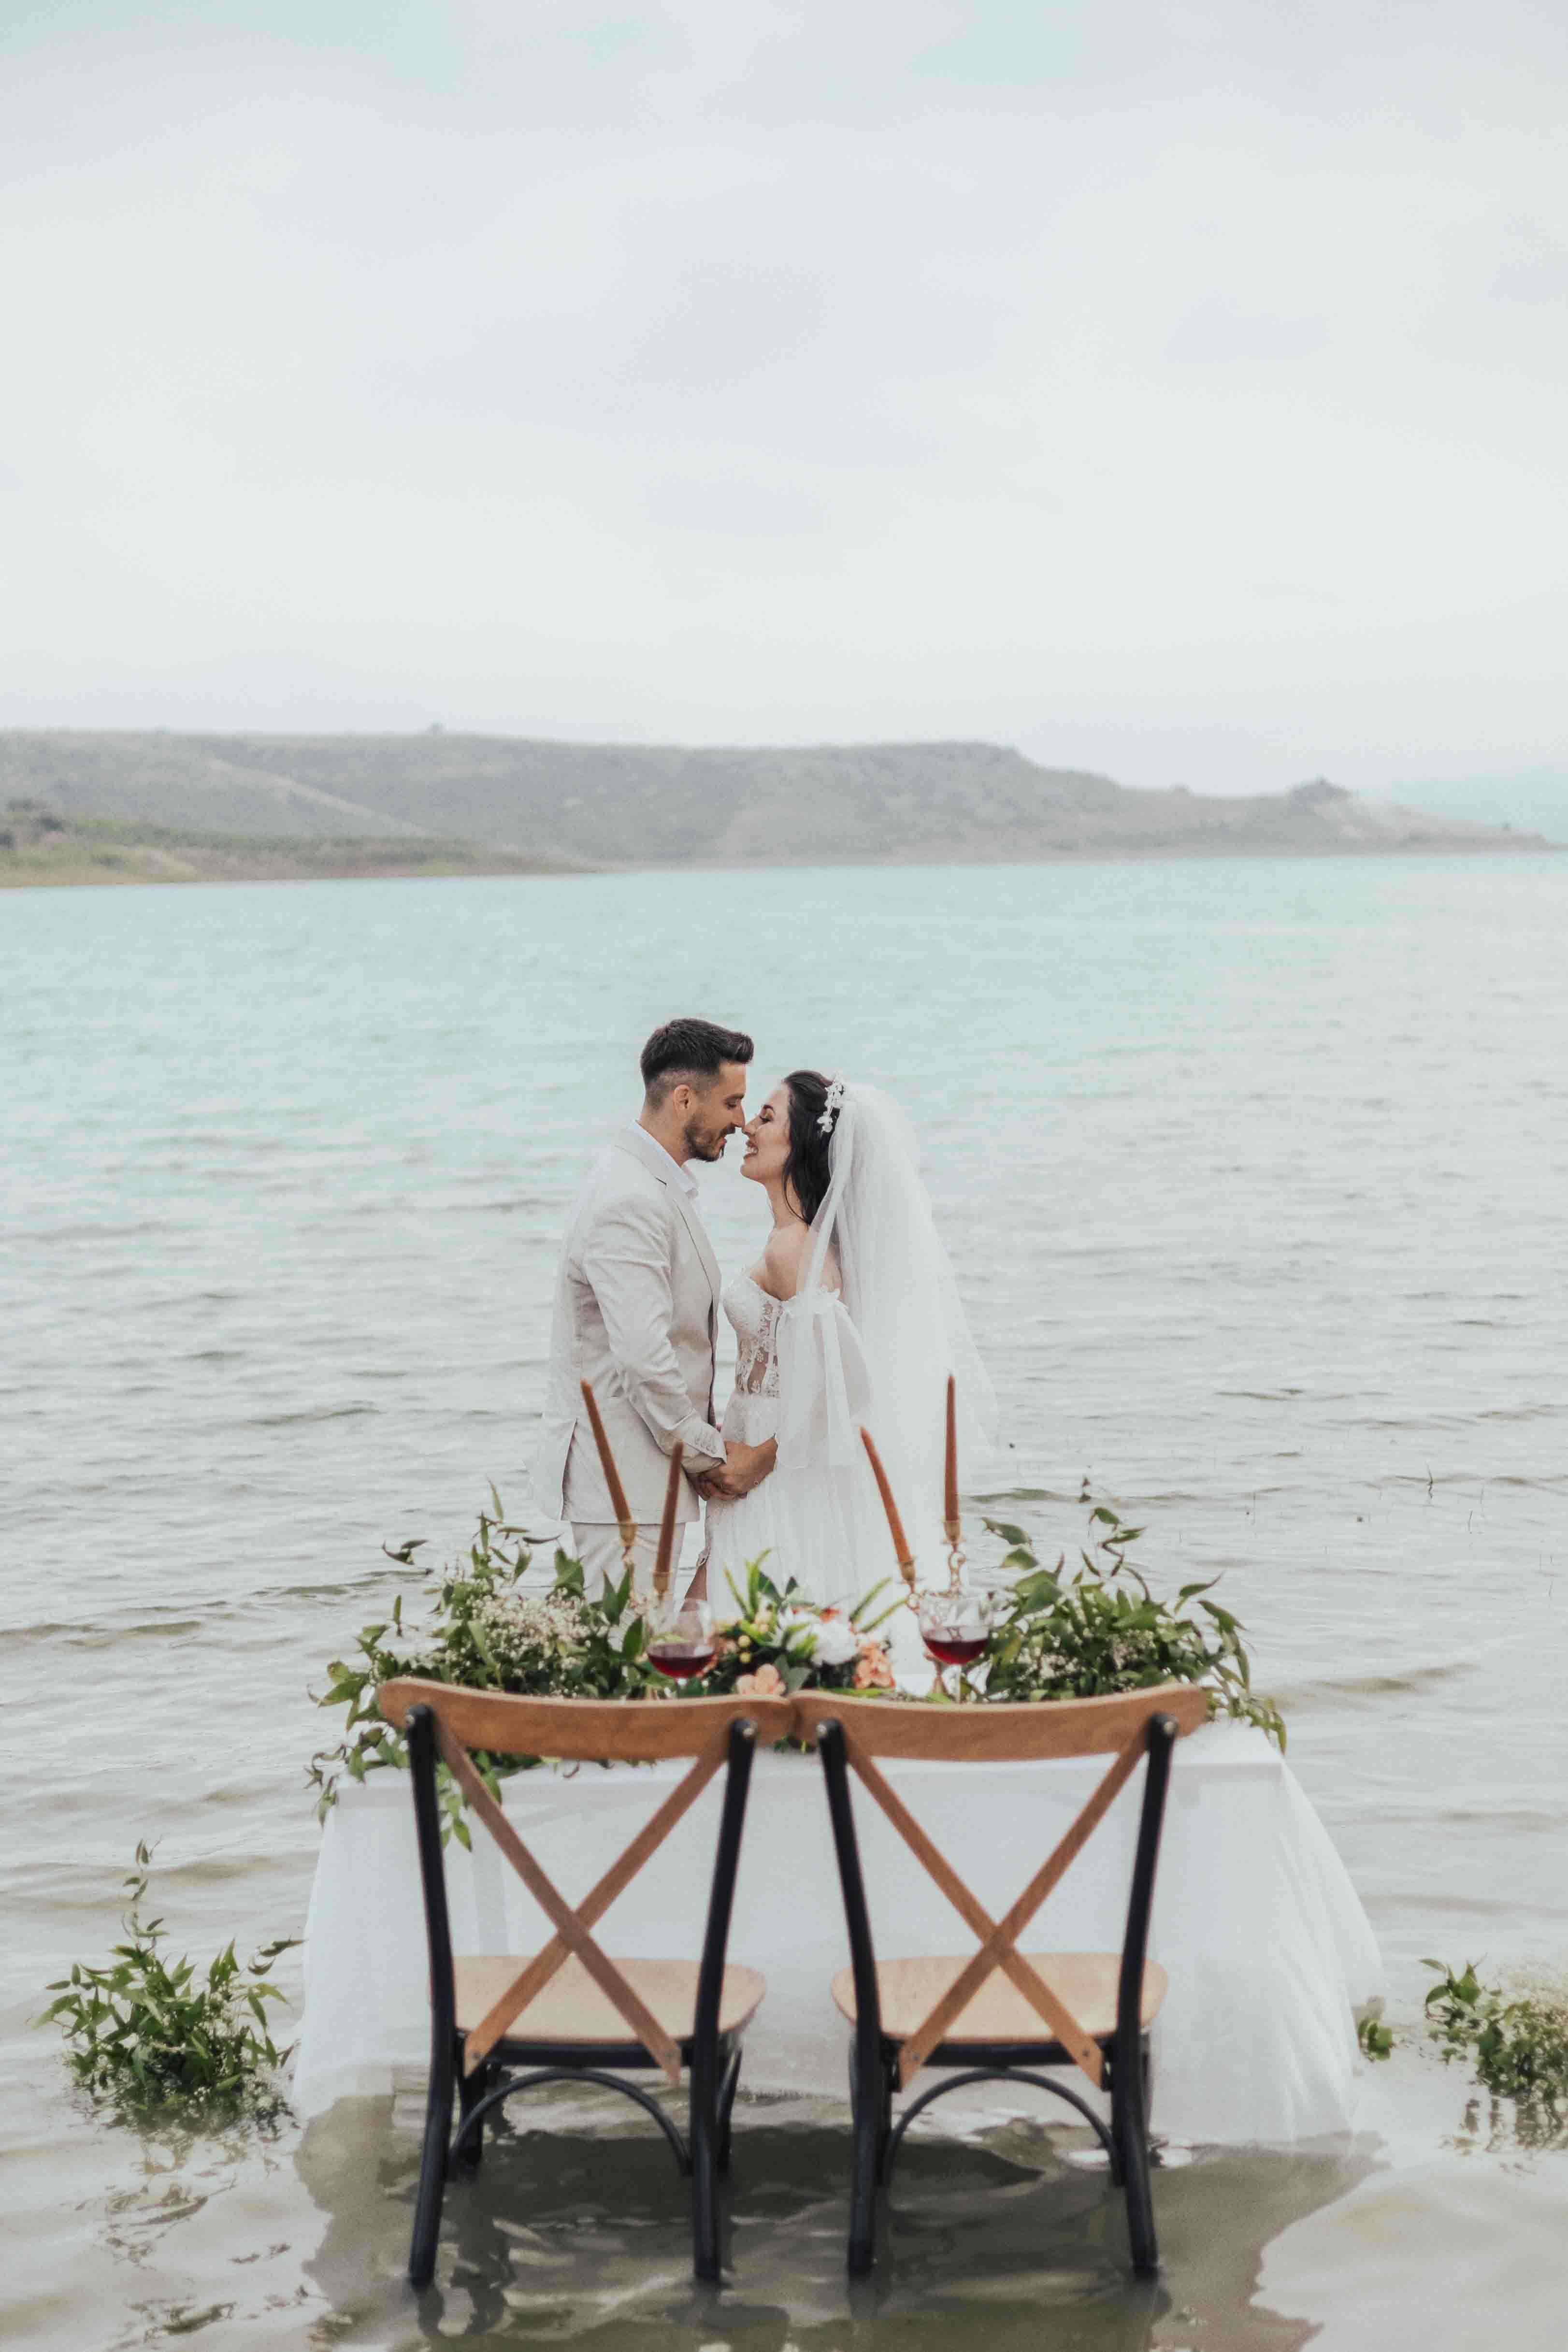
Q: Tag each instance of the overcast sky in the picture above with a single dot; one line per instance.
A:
(1173, 390)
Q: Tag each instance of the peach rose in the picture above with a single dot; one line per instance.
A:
(766, 1682)
(873, 1669)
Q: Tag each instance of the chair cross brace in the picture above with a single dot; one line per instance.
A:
(999, 1945)
(572, 1926)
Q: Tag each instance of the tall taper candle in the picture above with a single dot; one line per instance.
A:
(618, 1502)
(954, 1530)
(894, 1524)
(667, 1526)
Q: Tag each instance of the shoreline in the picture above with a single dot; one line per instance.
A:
(120, 873)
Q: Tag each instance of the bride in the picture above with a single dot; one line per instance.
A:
(850, 1317)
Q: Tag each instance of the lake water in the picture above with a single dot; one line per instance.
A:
(1255, 1175)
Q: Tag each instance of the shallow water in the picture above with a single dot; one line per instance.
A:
(1254, 1173)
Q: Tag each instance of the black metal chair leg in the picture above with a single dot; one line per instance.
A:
(1113, 2153)
(867, 2144)
(1141, 2213)
(1130, 2134)
(705, 2139)
(431, 2172)
(471, 2091)
(726, 2109)
(884, 2121)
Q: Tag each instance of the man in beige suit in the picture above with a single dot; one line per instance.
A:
(636, 1310)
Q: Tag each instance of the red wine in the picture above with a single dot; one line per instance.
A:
(954, 1649)
(681, 1662)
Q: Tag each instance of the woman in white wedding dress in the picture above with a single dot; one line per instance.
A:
(850, 1317)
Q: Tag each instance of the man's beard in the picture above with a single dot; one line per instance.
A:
(705, 1146)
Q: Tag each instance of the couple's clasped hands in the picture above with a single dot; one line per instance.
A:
(744, 1467)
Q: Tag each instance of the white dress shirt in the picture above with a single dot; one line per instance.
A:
(683, 1175)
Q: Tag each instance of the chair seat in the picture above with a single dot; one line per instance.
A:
(908, 1990)
(572, 2007)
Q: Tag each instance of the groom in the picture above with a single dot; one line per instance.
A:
(636, 1311)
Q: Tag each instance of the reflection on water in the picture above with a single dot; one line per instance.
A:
(579, 2233)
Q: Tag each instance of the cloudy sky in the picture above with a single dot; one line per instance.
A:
(1177, 390)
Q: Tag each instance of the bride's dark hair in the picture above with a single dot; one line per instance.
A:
(806, 1170)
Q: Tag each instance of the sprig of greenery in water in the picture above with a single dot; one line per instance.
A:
(1516, 2040)
(1376, 2040)
(149, 2032)
(1101, 1630)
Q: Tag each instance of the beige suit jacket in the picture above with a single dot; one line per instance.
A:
(636, 1313)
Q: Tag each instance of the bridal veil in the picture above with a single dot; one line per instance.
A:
(870, 1339)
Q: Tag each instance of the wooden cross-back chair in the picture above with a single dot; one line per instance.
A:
(569, 2011)
(1004, 2009)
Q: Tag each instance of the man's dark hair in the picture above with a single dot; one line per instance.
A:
(692, 1051)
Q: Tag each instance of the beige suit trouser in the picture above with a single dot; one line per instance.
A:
(598, 1547)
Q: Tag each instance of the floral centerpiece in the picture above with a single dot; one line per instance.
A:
(778, 1642)
(487, 1631)
(1083, 1634)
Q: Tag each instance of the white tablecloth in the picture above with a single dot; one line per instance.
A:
(1267, 1947)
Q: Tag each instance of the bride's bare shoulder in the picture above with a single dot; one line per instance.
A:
(786, 1258)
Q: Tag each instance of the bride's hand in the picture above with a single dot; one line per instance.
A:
(744, 1467)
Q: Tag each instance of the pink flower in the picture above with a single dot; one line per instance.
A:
(874, 1670)
(766, 1682)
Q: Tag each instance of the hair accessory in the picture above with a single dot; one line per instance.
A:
(835, 1103)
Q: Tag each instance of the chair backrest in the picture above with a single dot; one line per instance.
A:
(1129, 1726)
(599, 1730)
(443, 1721)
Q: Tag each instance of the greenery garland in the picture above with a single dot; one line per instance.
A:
(1100, 1630)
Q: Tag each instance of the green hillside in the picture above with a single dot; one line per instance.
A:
(418, 803)
(37, 846)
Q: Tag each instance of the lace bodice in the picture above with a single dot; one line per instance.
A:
(755, 1318)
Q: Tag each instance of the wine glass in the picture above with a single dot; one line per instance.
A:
(955, 1627)
(681, 1643)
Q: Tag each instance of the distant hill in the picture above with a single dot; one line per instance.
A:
(405, 803)
(1533, 800)
(37, 846)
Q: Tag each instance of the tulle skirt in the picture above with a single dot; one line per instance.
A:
(739, 1533)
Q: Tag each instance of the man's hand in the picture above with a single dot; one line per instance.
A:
(744, 1467)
